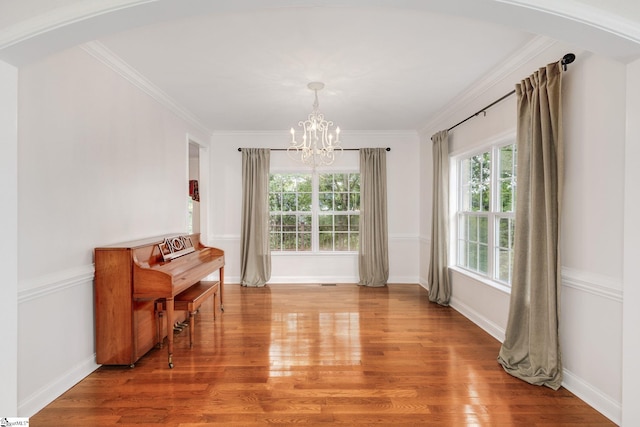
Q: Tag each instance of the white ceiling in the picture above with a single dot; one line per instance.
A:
(382, 68)
(244, 65)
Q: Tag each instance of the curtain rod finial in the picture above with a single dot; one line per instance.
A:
(567, 59)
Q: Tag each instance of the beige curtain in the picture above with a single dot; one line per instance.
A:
(439, 286)
(255, 253)
(373, 259)
(531, 349)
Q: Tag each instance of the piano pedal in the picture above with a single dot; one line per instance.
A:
(179, 327)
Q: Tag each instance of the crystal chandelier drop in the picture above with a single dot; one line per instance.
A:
(319, 144)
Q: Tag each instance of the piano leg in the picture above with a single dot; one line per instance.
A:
(170, 317)
(221, 290)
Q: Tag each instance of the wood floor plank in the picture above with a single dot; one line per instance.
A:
(320, 355)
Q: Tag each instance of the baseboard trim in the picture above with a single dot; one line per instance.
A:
(603, 403)
(51, 391)
(599, 286)
(482, 322)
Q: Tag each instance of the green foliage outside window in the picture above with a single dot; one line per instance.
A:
(291, 205)
(483, 224)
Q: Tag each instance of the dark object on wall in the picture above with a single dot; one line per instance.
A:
(193, 190)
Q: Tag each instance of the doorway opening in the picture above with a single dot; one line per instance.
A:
(193, 198)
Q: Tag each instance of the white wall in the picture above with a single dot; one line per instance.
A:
(9, 233)
(631, 313)
(403, 207)
(592, 233)
(99, 162)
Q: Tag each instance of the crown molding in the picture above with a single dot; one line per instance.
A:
(113, 61)
(580, 11)
(535, 47)
(60, 17)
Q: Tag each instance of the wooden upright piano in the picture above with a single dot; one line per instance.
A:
(130, 277)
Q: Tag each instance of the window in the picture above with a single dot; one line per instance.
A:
(314, 212)
(485, 212)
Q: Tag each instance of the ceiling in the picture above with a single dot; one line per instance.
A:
(382, 68)
(246, 68)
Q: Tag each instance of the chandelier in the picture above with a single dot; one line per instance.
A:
(319, 144)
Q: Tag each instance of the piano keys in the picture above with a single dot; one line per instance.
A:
(129, 278)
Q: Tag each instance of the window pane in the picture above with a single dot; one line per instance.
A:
(503, 232)
(289, 183)
(462, 253)
(275, 223)
(304, 241)
(326, 241)
(304, 202)
(275, 182)
(289, 223)
(325, 201)
(506, 196)
(354, 222)
(304, 223)
(341, 222)
(473, 229)
(480, 181)
(341, 201)
(354, 241)
(473, 256)
(342, 241)
(325, 222)
(507, 183)
(354, 182)
(475, 201)
(325, 182)
(354, 201)
(304, 184)
(275, 202)
(483, 258)
(483, 230)
(465, 166)
(289, 202)
(340, 182)
(462, 227)
(504, 261)
(275, 241)
(507, 161)
(289, 241)
(465, 199)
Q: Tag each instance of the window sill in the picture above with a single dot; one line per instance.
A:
(484, 280)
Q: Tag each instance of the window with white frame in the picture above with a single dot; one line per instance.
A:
(485, 214)
(314, 212)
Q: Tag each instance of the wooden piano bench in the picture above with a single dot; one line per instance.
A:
(189, 300)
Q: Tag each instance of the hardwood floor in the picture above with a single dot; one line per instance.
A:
(320, 355)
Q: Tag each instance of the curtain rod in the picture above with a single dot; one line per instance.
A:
(567, 59)
(344, 149)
